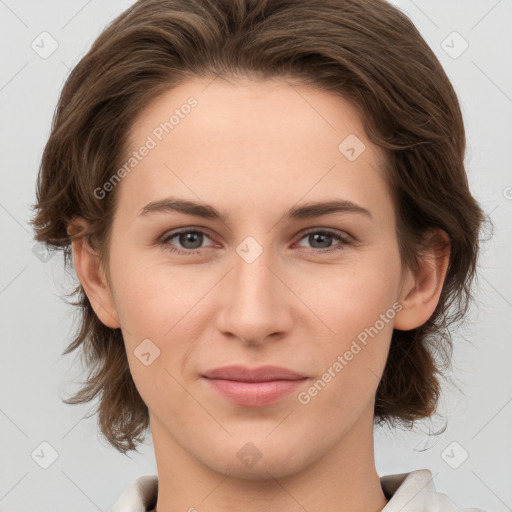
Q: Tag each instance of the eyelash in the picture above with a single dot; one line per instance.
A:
(187, 252)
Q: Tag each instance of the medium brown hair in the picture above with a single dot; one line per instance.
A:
(366, 51)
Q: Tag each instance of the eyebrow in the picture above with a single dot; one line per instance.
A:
(306, 211)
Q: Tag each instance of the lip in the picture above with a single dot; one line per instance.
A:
(253, 387)
(261, 374)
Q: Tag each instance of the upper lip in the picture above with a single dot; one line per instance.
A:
(261, 374)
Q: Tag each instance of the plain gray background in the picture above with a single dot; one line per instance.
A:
(471, 461)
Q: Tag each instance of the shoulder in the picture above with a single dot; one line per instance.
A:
(415, 491)
(139, 496)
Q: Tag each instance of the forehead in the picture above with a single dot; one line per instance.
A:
(249, 144)
(275, 110)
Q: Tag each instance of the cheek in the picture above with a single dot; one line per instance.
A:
(158, 303)
(351, 367)
(153, 298)
(358, 305)
(352, 296)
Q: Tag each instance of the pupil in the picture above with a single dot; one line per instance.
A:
(322, 236)
(189, 237)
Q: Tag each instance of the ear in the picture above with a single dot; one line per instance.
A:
(92, 276)
(420, 291)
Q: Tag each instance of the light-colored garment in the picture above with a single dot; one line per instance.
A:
(410, 492)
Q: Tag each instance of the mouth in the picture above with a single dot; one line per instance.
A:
(253, 387)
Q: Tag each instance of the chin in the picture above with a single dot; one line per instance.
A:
(251, 459)
(267, 468)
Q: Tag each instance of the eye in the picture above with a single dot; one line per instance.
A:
(323, 240)
(191, 241)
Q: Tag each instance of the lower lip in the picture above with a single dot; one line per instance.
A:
(254, 394)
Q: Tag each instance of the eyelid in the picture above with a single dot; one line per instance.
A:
(343, 238)
(187, 229)
(331, 231)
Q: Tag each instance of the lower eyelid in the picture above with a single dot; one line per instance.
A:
(343, 241)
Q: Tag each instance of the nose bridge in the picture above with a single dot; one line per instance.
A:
(253, 280)
(256, 302)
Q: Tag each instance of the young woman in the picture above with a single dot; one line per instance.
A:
(268, 212)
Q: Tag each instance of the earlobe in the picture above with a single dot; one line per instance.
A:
(421, 291)
(91, 274)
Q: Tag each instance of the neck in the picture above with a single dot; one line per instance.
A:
(341, 480)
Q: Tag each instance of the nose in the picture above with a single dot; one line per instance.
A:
(256, 301)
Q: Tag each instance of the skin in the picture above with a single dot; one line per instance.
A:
(254, 149)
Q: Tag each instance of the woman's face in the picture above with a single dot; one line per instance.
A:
(253, 283)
